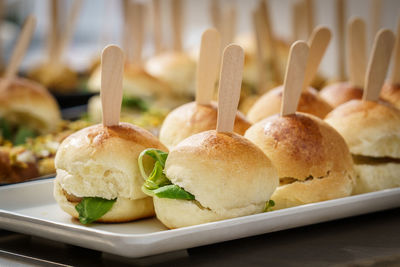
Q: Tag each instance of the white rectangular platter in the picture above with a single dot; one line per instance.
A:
(29, 208)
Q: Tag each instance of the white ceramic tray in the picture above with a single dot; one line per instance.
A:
(30, 208)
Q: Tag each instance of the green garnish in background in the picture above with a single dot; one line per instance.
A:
(269, 205)
(22, 134)
(157, 184)
(91, 209)
(134, 102)
(5, 129)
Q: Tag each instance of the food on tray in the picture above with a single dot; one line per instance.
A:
(57, 77)
(203, 178)
(310, 102)
(341, 92)
(200, 116)
(312, 159)
(371, 127)
(98, 176)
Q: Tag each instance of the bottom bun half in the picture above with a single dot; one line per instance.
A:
(318, 189)
(177, 213)
(372, 178)
(123, 210)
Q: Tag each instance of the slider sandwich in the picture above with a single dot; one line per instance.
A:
(213, 175)
(371, 127)
(312, 159)
(201, 115)
(98, 177)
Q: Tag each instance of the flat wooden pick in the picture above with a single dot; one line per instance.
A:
(230, 82)
(112, 69)
(356, 46)
(157, 26)
(207, 68)
(395, 77)
(318, 44)
(340, 24)
(294, 77)
(177, 24)
(69, 30)
(20, 48)
(261, 53)
(378, 64)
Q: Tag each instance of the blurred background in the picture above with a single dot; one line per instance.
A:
(101, 22)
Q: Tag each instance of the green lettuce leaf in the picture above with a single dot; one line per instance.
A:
(91, 209)
(269, 205)
(157, 183)
(22, 134)
(173, 191)
(134, 102)
(5, 129)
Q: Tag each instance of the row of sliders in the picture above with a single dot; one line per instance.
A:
(117, 172)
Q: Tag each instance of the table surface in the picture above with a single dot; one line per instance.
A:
(368, 240)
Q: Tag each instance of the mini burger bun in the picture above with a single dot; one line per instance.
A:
(338, 93)
(228, 175)
(391, 93)
(369, 128)
(301, 147)
(27, 102)
(270, 104)
(101, 161)
(176, 69)
(192, 118)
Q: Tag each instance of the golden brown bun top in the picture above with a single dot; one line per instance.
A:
(338, 93)
(391, 93)
(192, 118)
(224, 171)
(300, 145)
(270, 104)
(25, 101)
(369, 128)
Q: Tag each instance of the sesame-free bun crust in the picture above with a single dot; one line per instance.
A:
(228, 175)
(175, 69)
(369, 128)
(391, 93)
(101, 161)
(270, 104)
(192, 118)
(301, 147)
(338, 93)
(27, 102)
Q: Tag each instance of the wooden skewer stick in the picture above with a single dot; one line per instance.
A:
(395, 77)
(215, 12)
(20, 48)
(310, 16)
(318, 44)
(261, 53)
(294, 77)
(229, 87)
(228, 26)
(177, 24)
(53, 30)
(340, 24)
(207, 69)
(138, 34)
(157, 26)
(69, 30)
(356, 47)
(378, 64)
(112, 69)
(270, 41)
